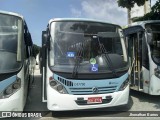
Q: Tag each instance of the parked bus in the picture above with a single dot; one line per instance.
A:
(15, 50)
(84, 65)
(143, 41)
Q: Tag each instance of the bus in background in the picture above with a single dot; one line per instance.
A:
(84, 65)
(143, 41)
(15, 50)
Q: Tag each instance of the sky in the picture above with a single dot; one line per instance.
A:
(37, 13)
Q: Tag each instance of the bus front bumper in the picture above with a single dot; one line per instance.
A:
(63, 102)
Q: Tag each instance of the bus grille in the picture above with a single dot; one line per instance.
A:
(65, 82)
(88, 90)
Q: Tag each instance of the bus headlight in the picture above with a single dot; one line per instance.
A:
(53, 83)
(157, 72)
(124, 84)
(11, 89)
(57, 86)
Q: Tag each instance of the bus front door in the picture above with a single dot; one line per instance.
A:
(135, 56)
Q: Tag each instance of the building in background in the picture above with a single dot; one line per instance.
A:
(138, 11)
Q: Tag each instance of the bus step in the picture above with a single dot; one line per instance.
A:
(134, 87)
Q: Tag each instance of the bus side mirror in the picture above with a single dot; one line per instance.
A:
(158, 43)
(45, 39)
(44, 48)
(29, 40)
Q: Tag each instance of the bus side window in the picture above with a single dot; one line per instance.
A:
(27, 52)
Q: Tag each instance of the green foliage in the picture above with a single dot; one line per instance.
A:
(153, 15)
(36, 50)
(140, 2)
(130, 3)
(156, 7)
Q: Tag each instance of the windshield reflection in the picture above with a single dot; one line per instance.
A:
(69, 37)
(154, 30)
(9, 34)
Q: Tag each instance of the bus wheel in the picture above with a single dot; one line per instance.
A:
(56, 114)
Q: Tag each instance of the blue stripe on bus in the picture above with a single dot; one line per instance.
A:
(7, 82)
(85, 86)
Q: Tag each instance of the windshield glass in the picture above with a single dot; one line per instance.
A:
(83, 40)
(154, 28)
(10, 35)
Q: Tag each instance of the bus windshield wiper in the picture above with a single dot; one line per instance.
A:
(78, 59)
(108, 60)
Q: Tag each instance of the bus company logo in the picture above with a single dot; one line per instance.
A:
(95, 90)
(6, 114)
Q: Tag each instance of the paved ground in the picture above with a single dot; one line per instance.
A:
(138, 102)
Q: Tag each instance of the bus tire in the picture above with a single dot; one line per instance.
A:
(56, 113)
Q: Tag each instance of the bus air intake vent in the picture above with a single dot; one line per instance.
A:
(89, 90)
(65, 82)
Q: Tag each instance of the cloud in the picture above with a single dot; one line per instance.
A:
(76, 12)
(107, 10)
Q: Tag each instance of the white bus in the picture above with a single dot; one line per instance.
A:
(143, 41)
(84, 65)
(15, 49)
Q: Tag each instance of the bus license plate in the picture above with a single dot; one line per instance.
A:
(94, 100)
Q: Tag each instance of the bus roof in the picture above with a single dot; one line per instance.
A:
(80, 19)
(137, 26)
(11, 13)
(143, 23)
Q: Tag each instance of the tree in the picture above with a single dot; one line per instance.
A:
(153, 15)
(36, 50)
(129, 4)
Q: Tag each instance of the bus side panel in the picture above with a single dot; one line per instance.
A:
(23, 95)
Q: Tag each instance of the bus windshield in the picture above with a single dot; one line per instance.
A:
(10, 34)
(88, 42)
(154, 28)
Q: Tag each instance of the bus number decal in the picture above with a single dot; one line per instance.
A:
(79, 84)
(70, 54)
